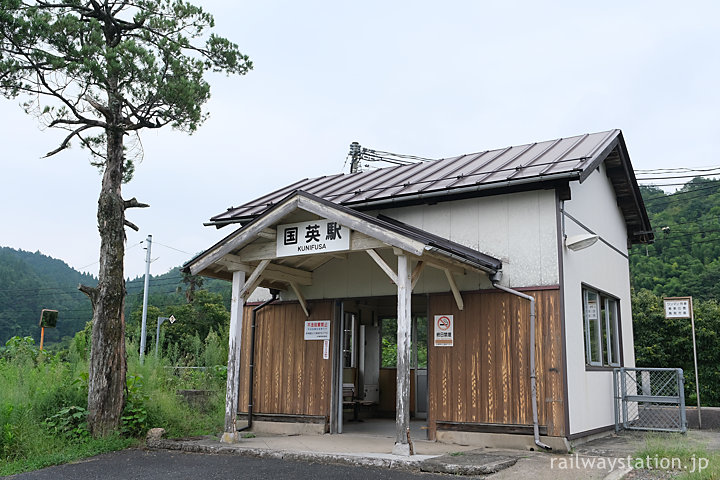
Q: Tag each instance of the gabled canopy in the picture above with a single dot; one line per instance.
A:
(255, 243)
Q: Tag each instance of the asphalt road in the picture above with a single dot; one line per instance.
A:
(159, 464)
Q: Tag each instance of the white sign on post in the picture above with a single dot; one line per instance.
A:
(317, 330)
(677, 308)
(306, 238)
(682, 307)
(443, 331)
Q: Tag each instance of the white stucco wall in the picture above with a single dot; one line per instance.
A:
(590, 393)
(519, 229)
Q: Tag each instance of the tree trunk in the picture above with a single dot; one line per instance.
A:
(108, 364)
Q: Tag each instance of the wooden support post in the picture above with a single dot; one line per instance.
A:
(402, 403)
(300, 298)
(233, 371)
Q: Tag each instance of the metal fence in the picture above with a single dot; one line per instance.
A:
(649, 399)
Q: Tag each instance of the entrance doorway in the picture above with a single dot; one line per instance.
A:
(369, 356)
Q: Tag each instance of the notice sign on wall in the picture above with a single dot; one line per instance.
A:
(317, 330)
(307, 238)
(443, 330)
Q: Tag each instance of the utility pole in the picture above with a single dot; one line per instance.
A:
(355, 157)
(145, 300)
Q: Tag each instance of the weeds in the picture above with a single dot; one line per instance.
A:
(70, 422)
(43, 420)
(690, 461)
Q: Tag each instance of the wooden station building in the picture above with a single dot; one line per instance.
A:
(501, 277)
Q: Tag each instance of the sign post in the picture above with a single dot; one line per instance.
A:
(682, 307)
(160, 321)
(48, 319)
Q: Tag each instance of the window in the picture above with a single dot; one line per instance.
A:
(602, 328)
(349, 341)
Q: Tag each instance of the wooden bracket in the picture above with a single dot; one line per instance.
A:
(300, 298)
(253, 280)
(455, 290)
(384, 266)
(416, 272)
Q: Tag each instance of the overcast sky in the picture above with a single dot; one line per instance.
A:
(427, 78)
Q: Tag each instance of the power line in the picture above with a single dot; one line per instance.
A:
(672, 196)
(683, 245)
(678, 169)
(158, 281)
(645, 179)
(171, 248)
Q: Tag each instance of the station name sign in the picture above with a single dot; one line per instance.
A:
(307, 238)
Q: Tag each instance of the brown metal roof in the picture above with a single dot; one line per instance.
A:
(530, 165)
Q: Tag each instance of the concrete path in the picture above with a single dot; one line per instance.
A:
(598, 459)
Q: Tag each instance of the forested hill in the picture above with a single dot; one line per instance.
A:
(685, 258)
(30, 282)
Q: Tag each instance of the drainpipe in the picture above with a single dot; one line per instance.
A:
(533, 387)
(251, 376)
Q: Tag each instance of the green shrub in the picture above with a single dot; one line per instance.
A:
(134, 417)
(70, 422)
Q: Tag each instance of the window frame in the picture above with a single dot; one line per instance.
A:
(608, 331)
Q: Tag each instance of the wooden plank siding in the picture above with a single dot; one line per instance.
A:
(291, 376)
(484, 377)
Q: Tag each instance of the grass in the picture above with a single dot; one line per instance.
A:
(54, 452)
(684, 457)
(43, 399)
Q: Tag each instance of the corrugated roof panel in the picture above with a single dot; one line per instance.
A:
(502, 166)
(448, 172)
(366, 182)
(405, 177)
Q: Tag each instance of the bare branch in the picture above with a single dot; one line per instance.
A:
(66, 142)
(89, 123)
(91, 292)
(97, 106)
(133, 203)
(128, 223)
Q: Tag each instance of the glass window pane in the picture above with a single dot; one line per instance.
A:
(422, 341)
(349, 341)
(592, 325)
(389, 342)
(614, 340)
(604, 329)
